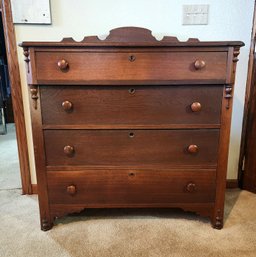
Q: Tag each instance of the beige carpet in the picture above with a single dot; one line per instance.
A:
(9, 162)
(131, 233)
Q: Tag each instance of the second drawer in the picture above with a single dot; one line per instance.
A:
(131, 147)
(131, 105)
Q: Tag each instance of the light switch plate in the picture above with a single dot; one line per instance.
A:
(195, 14)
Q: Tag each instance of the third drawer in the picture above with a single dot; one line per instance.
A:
(131, 147)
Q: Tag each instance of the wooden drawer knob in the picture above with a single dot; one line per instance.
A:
(191, 187)
(63, 65)
(196, 107)
(193, 149)
(199, 64)
(67, 106)
(71, 190)
(69, 150)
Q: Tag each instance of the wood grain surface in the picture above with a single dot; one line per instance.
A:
(131, 105)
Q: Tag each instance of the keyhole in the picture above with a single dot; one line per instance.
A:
(131, 134)
(132, 58)
(131, 90)
(131, 174)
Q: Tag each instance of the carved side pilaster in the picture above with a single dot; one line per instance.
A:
(235, 59)
(229, 87)
(235, 54)
(27, 60)
(34, 95)
(228, 94)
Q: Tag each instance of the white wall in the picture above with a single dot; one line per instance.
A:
(228, 20)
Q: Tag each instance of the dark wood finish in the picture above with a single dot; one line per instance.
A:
(45, 215)
(131, 122)
(61, 67)
(131, 36)
(131, 187)
(230, 184)
(247, 167)
(16, 92)
(131, 106)
(248, 175)
(131, 147)
(217, 217)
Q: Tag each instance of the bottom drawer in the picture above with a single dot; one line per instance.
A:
(97, 188)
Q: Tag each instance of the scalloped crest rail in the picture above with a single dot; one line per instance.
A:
(132, 36)
(131, 121)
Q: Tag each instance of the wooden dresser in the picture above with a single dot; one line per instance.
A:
(131, 121)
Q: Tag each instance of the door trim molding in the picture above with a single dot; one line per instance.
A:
(248, 90)
(16, 92)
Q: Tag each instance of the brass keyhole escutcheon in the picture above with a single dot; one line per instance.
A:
(132, 58)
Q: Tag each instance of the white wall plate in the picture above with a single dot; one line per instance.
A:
(31, 11)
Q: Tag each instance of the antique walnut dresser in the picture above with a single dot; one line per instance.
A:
(131, 121)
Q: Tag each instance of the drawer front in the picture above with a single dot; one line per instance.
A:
(104, 67)
(131, 147)
(127, 105)
(105, 187)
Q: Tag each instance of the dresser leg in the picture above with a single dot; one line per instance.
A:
(46, 225)
(217, 220)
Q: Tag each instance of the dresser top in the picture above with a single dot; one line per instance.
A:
(129, 37)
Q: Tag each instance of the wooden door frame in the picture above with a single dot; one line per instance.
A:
(247, 103)
(16, 93)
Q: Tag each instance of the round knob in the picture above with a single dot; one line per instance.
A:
(67, 105)
(199, 64)
(196, 107)
(71, 190)
(193, 149)
(191, 187)
(69, 150)
(63, 65)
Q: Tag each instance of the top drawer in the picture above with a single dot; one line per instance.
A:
(82, 67)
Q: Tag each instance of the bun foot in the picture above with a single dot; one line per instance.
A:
(46, 225)
(217, 222)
